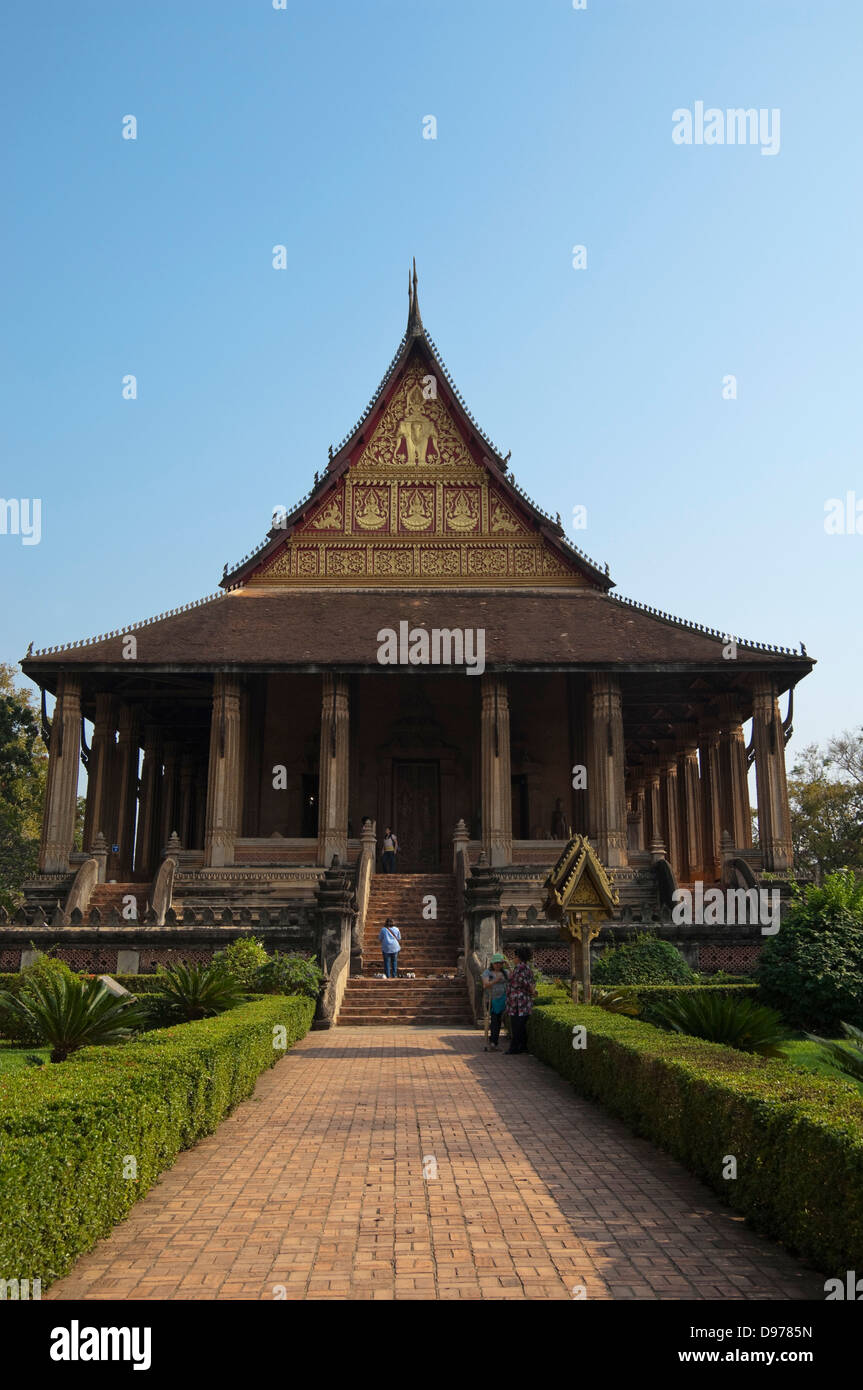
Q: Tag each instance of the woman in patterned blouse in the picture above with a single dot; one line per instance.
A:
(519, 1000)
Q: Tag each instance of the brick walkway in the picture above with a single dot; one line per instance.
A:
(315, 1188)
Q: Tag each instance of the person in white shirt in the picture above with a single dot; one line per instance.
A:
(389, 851)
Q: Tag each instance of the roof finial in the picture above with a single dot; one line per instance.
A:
(415, 323)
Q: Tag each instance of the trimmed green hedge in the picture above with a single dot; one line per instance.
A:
(68, 1130)
(798, 1140)
(649, 995)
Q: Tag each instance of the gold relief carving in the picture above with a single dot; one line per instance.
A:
(330, 517)
(415, 432)
(489, 559)
(416, 508)
(461, 509)
(416, 435)
(281, 565)
(394, 561)
(307, 560)
(503, 521)
(524, 559)
(371, 508)
(341, 561)
(443, 560)
(551, 564)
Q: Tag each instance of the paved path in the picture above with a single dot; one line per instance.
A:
(315, 1188)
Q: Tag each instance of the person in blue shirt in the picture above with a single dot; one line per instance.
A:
(391, 944)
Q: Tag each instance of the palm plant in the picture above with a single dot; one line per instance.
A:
(851, 1062)
(68, 1013)
(722, 1018)
(615, 1001)
(188, 992)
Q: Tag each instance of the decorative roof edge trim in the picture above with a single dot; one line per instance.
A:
(131, 627)
(674, 621)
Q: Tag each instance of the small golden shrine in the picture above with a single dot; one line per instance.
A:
(580, 897)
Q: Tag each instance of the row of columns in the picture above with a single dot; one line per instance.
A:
(684, 799)
(687, 797)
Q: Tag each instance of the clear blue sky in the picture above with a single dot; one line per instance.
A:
(304, 127)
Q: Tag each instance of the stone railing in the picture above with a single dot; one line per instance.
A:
(365, 871)
(264, 919)
(336, 913)
(82, 889)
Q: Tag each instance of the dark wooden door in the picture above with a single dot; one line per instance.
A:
(416, 816)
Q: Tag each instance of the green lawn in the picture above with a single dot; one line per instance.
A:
(15, 1058)
(810, 1057)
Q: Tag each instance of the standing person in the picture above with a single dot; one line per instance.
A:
(494, 982)
(519, 1000)
(389, 852)
(391, 943)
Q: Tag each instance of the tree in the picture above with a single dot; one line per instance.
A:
(825, 791)
(23, 771)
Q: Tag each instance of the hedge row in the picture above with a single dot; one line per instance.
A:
(798, 1140)
(69, 1131)
(648, 996)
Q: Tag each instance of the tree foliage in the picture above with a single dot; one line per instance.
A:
(812, 970)
(23, 771)
(825, 791)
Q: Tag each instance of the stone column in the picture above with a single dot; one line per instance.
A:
(186, 814)
(168, 812)
(636, 814)
(689, 792)
(774, 815)
(670, 810)
(608, 791)
(97, 816)
(496, 772)
(733, 786)
(655, 829)
(61, 790)
(711, 827)
(223, 780)
(200, 805)
(148, 802)
(126, 770)
(333, 771)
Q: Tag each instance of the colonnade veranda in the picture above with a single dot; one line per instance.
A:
(675, 798)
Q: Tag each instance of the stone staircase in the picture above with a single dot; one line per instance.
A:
(107, 896)
(430, 949)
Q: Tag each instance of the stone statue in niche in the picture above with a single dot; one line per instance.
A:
(559, 829)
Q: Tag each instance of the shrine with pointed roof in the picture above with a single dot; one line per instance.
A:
(248, 742)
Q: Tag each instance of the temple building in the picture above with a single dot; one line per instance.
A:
(416, 645)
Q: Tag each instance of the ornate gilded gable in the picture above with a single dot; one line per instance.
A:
(415, 506)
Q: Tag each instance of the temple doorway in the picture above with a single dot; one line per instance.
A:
(416, 815)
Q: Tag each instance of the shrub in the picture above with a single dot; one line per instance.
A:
(66, 1133)
(615, 1001)
(69, 1013)
(290, 974)
(190, 992)
(242, 960)
(16, 1023)
(644, 961)
(720, 1018)
(798, 1138)
(812, 969)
